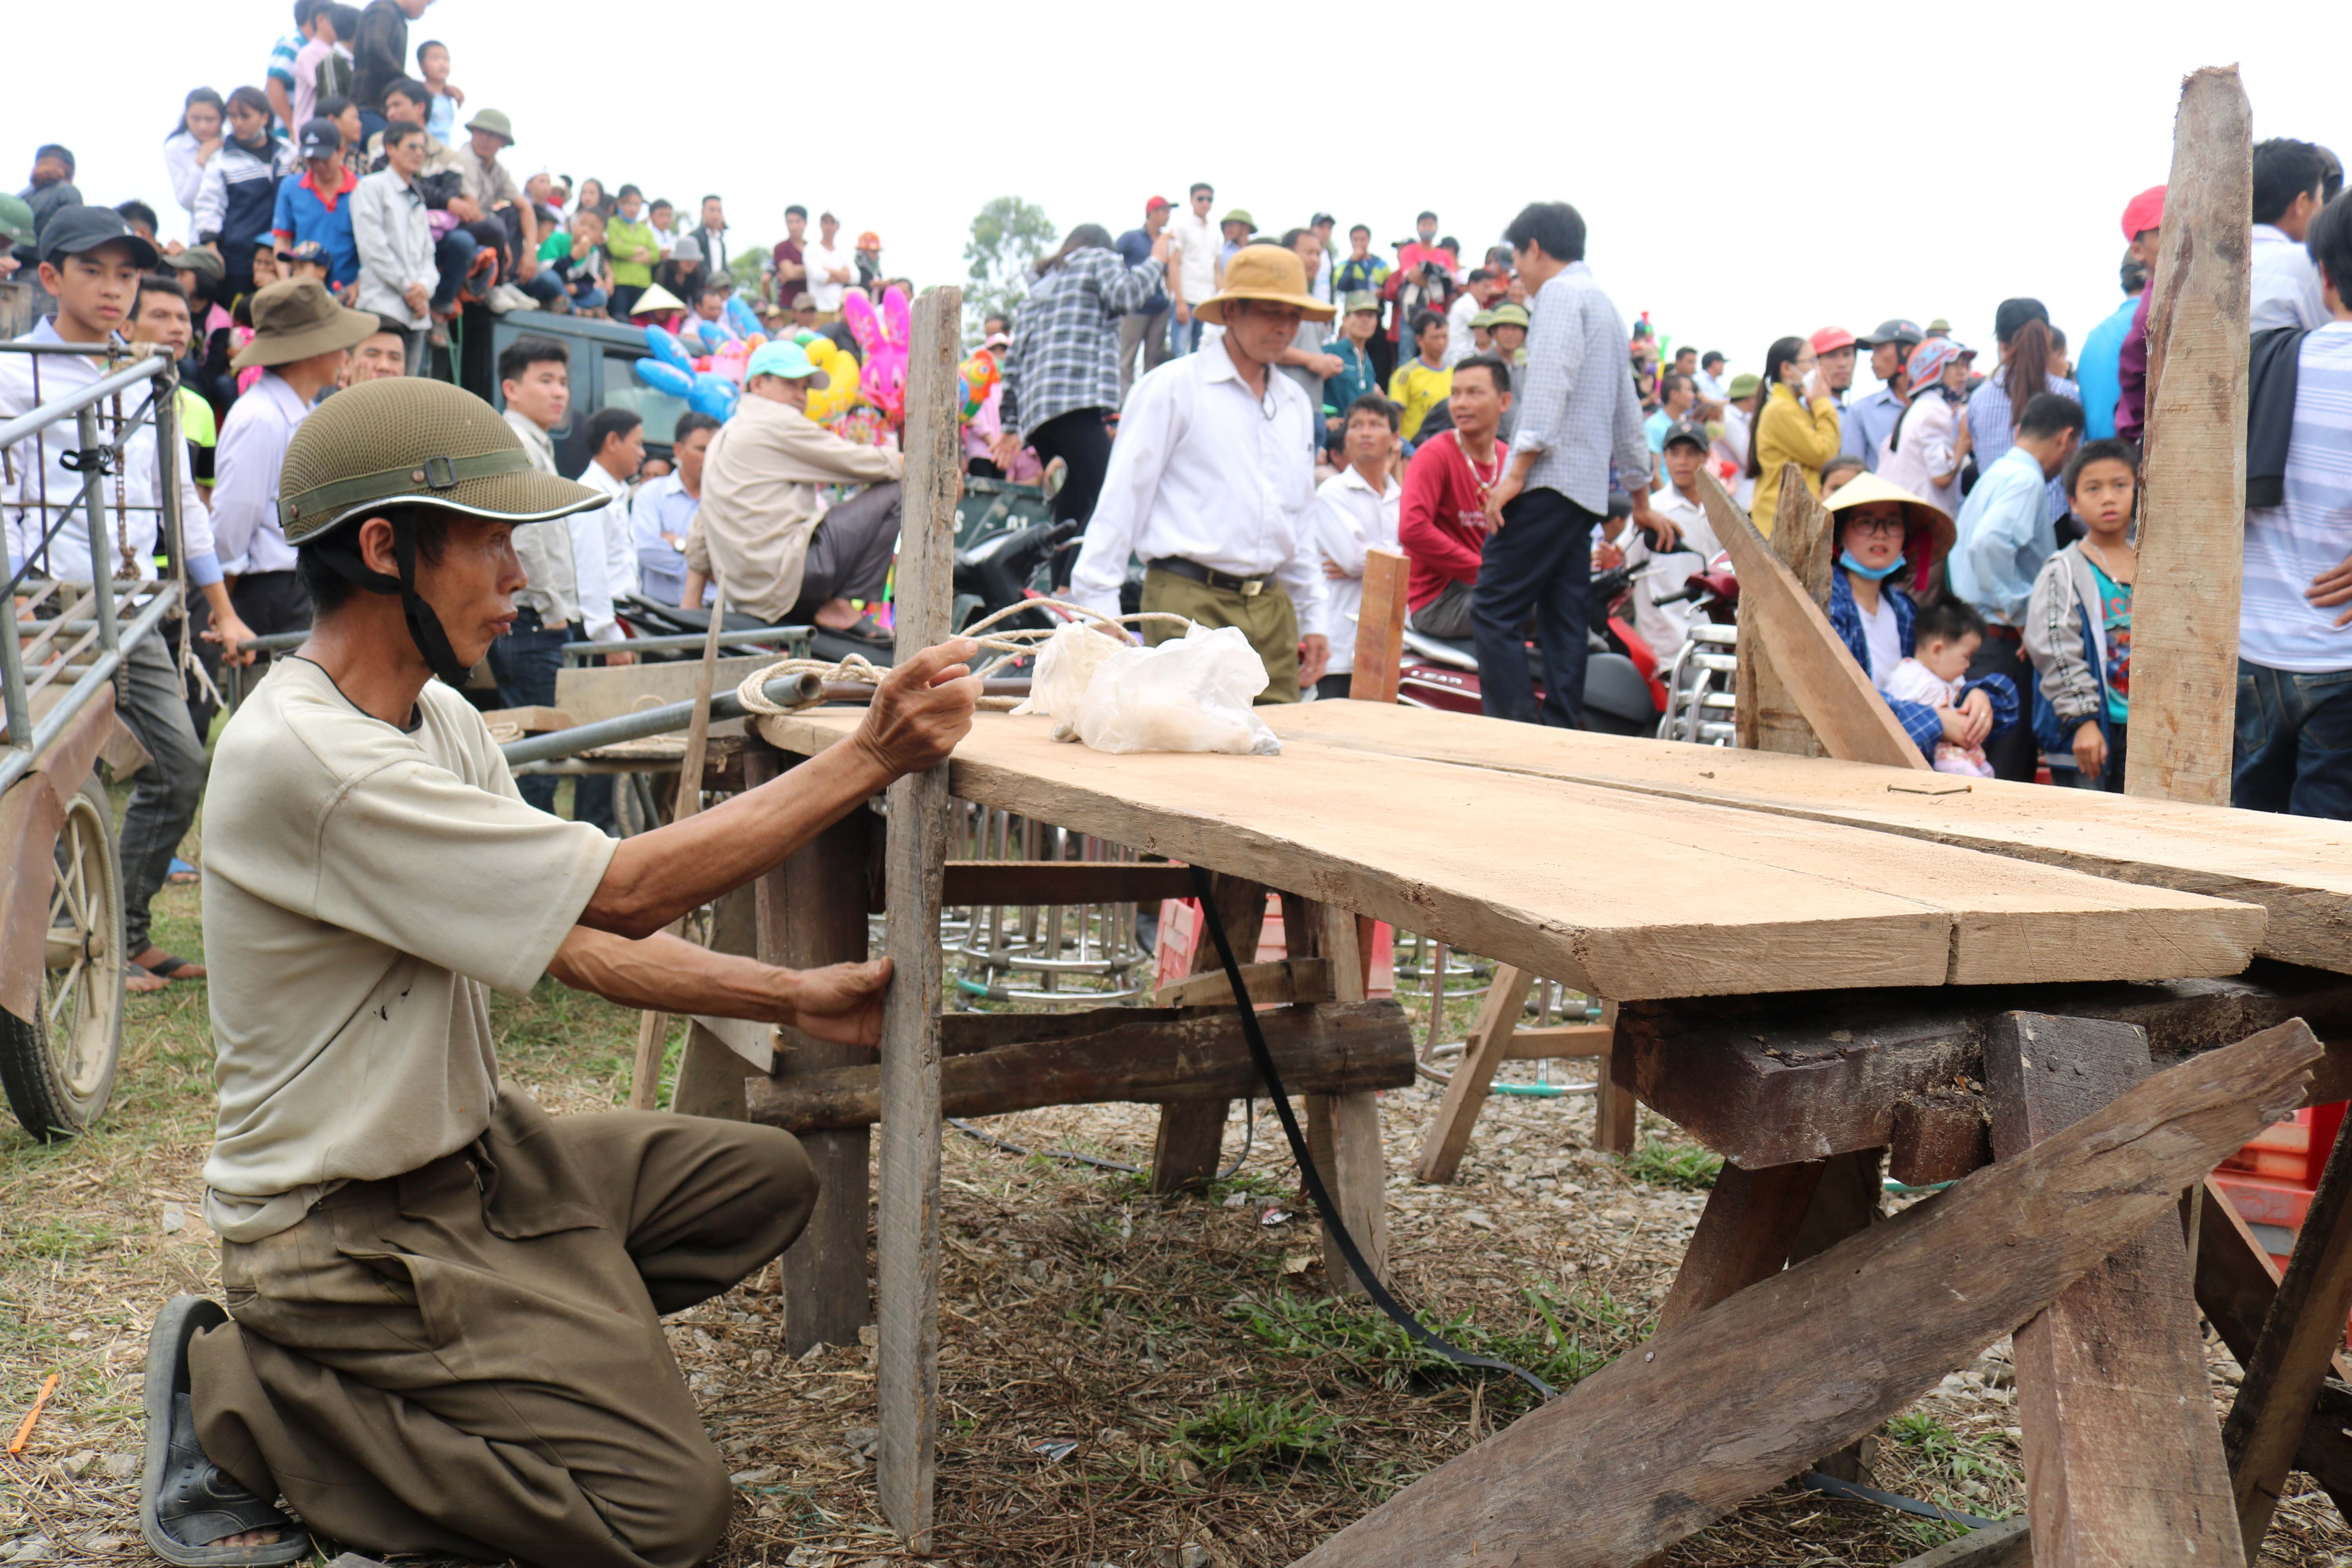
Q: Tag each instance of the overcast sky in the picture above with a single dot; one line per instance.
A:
(1746, 171)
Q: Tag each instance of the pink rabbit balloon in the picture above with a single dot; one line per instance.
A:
(882, 337)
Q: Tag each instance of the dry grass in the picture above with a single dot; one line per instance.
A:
(1213, 1393)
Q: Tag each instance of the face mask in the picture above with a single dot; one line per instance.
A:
(1875, 573)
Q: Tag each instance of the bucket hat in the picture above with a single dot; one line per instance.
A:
(495, 122)
(1271, 272)
(297, 319)
(407, 441)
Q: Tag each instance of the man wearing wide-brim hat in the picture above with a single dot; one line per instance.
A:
(1212, 482)
(444, 1333)
(301, 339)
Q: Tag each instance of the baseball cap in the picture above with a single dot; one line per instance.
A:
(1153, 204)
(304, 251)
(1830, 339)
(1742, 384)
(2144, 212)
(196, 260)
(869, 240)
(1893, 331)
(1686, 430)
(804, 301)
(1321, 218)
(74, 230)
(53, 150)
(321, 138)
(787, 359)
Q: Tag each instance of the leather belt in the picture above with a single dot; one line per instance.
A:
(1247, 587)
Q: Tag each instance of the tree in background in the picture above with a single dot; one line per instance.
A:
(743, 266)
(1007, 235)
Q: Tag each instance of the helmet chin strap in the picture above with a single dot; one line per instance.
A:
(424, 625)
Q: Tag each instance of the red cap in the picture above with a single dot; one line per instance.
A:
(1830, 338)
(2144, 212)
(1155, 203)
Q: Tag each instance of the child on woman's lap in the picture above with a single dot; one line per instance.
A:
(1944, 637)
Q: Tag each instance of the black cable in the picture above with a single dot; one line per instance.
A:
(1313, 1178)
(1832, 1486)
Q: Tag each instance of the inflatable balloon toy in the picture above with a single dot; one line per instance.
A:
(839, 395)
(730, 361)
(664, 347)
(664, 376)
(740, 317)
(883, 335)
(714, 335)
(715, 395)
(978, 376)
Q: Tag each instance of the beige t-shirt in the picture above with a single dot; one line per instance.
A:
(363, 886)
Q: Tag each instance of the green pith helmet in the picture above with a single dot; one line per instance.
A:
(405, 441)
(395, 447)
(15, 219)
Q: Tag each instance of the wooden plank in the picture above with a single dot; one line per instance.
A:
(2123, 1457)
(1766, 1081)
(710, 1068)
(1662, 1442)
(1284, 980)
(2294, 1351)
(1499, 865)
(531, 721)
(1190, 1137)
(2008, 1544)
(590, 694)
(1743, 1236)
(1833, 693)
(1343, 1129)
(812, 912)
(2193, 458)
(972, 882)
(1488, 1047)
(1766, 713)
(907, 1221)
(1380, 626)
(2299, 869)
(1339, 1047)
(1558, 1042)
(1616, 1107)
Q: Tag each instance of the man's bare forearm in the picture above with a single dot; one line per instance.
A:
(665, 973)
(655, 876)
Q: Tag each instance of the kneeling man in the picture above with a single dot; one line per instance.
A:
(443, 1329)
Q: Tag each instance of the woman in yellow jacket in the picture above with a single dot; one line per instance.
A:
(1798, 423)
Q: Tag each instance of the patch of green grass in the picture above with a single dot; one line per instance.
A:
(1242, 1433)
(1664, 1165)
(56, 1240)
(1953, 1461)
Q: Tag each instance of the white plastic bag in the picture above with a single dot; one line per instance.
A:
(1190, 695)
(1065, 666)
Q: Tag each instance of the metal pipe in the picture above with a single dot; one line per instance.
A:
(101, 588)
(797, 690)
(42, 416)
(14, 764)
(750, 635)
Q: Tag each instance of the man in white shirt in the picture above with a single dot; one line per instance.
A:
(1357, 512)
(1213, 482)
(1665, 627)
(90, 263)
(301, 339)
(830, 268)
(616, 447)
(1193, 246)
(2290, 179)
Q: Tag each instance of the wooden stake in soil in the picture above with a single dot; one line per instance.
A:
(907, 1236)
(2193, 466)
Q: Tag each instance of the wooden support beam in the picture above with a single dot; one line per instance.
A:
(2008, 1544)
(1833, 692)
(1343, 1129)
(972, 882)
(1559, 1041)
(1614, 1107)
(1743, 1237)
(1937, 1137)
(812, 912)
(2123, 1457)
(1664, 1440)
(2300, 1332)
(1282, 981)
(1379, 627)
(907, 1226)
(2193, 460)
(1488, 1047)
(1337, 1048)
(1768, 1080)
(1191, 1135)
(1766, 716)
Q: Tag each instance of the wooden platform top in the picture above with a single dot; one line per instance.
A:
(2298, 867)
(1616, 895)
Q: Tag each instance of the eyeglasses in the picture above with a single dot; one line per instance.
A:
(1887, 525)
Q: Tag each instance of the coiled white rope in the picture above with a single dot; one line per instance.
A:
(1013, 644)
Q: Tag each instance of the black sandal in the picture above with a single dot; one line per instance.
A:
(185, 1501)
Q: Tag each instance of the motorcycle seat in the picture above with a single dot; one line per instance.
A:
(1438, 650)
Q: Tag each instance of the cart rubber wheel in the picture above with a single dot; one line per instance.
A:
(59, 1071)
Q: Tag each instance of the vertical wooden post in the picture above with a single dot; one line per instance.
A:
(914, 866)
(1343, 1131)
(1379, 628)
(2193, 466)
(1614, 1106)
(1744, 1236)
(2122, 1456)
(812, 912)
(1192, 1131)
